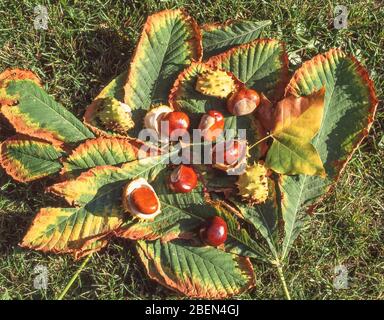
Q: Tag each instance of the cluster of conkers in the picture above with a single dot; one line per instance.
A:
(141, 200)
(221, 84)
(139, 197)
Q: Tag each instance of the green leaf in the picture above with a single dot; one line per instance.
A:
(218, 38)
(37, 114)
(170, 41)
(262, 65)
(100, 152)
(297, 121)
(199, 272)
(239, 241)
(349, 109)
(264, 218)
(26, 159)
(97, 186)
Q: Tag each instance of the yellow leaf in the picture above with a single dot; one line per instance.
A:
(297, 121)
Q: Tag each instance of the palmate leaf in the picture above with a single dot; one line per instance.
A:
(26, 159)
(262, 65)
(33, 112)
(196, 271)
(96, 194)
(218, 38)
(349, 109)
(297, 121)
(100, 152)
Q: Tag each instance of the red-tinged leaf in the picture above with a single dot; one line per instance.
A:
(35, 113)
(69, 230)
(14, 74)
(196, 271)
(26, 159)
(91, 246)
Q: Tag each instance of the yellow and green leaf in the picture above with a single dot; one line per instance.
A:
(26, 159)
(297, 121)
(196, 271)
(35, 113)
(96, 194)
(10, 75)
(69, 230)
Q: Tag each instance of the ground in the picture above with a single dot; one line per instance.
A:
(89, 42)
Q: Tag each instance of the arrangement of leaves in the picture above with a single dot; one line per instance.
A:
(305, 131)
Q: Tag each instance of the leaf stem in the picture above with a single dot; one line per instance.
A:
(283, 282)
(261, 140)
(74, 277)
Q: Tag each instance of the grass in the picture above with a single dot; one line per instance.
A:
(90, 42)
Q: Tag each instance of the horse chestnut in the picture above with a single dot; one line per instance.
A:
(145, 200)
(242, 102)
(227, 153)
(214, 233)
(175, 120)
(183, 179)
(212, 125)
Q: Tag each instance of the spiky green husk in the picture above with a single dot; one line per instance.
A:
(253, 184)
(115, 115)
(215, 83)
